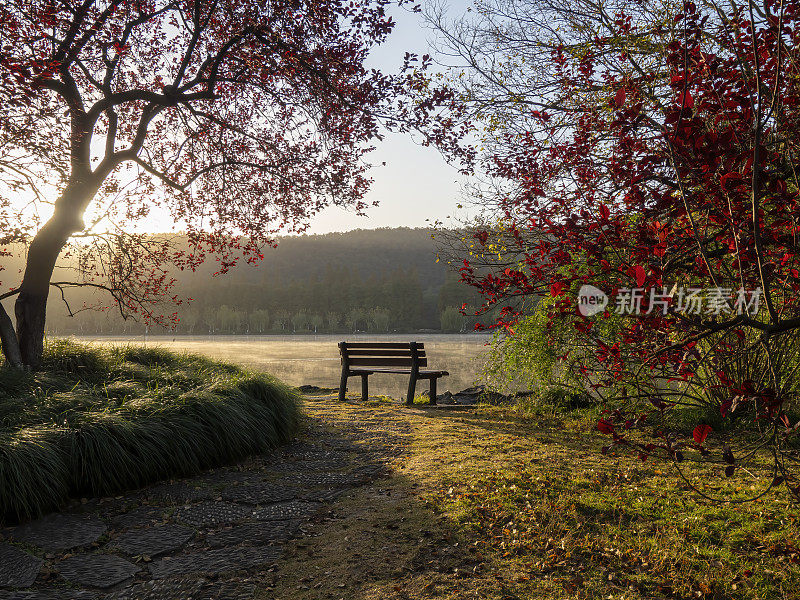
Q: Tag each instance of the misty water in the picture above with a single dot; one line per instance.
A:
(314, 359)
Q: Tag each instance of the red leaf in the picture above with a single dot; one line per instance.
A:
(725, 406)
(686, 99)
(640, 275)
(700, 433)
(604, 426)
(557, 289)
(619, 99)
(604, 212)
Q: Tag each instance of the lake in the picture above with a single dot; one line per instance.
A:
(314, 359)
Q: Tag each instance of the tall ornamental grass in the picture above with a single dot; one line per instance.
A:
(96, 421)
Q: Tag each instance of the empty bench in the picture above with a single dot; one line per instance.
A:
(365, 358)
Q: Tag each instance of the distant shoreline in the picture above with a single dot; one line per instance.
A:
(314, 359)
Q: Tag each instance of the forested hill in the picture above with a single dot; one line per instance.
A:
(365, 252)
(378, 280)
(368, 252)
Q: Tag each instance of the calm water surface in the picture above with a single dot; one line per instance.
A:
(314, 359)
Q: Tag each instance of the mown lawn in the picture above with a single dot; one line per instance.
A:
(494, 504)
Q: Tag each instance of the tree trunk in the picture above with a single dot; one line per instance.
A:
(31, 305)
(30, 310)
(8, 339)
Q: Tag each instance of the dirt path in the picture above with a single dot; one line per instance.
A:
(385, 540)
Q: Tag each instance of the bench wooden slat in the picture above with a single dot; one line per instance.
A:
(396, 345)
(422, 372)
(365, 352)
(360, 361)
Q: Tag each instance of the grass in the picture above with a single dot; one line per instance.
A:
(500, 504)
(574, 523)
(101, 420)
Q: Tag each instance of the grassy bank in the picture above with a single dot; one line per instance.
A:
(100, 420)
(494, 504)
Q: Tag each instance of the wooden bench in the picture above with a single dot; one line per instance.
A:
(366, 358)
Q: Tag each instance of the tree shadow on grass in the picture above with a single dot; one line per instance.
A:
(546, 428)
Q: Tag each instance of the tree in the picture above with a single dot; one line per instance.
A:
(189, 319)
(210, 319)
(316, 321)
(380, 319)
(240, 119)
(503, 57)
(452, 320)
(281, 320)
(356, 320)
(338, 321)
(228, 319)
(259, 321)
(675, 190)
(300, 321)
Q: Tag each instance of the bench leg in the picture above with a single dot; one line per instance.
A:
(433, 390)
(412, 387)
(364, 388)
(343, 385)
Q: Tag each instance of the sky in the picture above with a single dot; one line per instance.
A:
(416, 184)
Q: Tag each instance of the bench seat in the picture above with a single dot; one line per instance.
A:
(367, 358)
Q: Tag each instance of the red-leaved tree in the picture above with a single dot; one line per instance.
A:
(676, 194)
(238, 118)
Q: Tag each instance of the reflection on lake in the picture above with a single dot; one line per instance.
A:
(314, 359)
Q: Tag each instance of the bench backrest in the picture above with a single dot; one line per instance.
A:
(383, 354)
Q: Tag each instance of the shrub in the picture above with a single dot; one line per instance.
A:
(529, 359)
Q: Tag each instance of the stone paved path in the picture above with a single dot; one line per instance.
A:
(210, 536)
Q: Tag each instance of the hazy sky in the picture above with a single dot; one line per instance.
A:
(416, 183)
